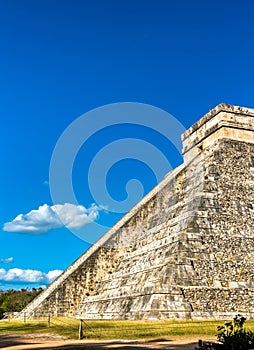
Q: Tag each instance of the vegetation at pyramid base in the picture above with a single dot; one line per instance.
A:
(112, 329)
(117, 329)
(15, 300)
(233, 335)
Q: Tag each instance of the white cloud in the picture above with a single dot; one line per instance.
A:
(17, 275)
(48, 217)
(6, 260)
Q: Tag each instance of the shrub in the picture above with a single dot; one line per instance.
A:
(233, 335)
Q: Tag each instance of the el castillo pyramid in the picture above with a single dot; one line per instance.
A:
(186, 250)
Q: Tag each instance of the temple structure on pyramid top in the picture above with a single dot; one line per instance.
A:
(186, 250)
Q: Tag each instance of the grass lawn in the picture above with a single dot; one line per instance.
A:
(103, 329)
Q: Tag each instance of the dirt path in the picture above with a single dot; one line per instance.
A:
(49, 341)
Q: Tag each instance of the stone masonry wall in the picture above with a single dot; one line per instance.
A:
(83, 282)
(226, 229)
(195, 235)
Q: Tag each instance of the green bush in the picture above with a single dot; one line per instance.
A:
(233, 335)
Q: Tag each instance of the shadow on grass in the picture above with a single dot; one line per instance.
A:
(12, 340)
(118, 346)
(125, 347)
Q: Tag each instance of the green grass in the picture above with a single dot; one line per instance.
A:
(103, 329)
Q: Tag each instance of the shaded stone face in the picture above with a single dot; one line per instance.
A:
(186, 250)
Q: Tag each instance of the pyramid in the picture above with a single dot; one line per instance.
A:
(186, 250)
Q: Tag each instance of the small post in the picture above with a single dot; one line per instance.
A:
(200, 343)
(24, 317)
(48, 320)
(80, 335)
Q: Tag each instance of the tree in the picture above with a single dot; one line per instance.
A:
(15, 300)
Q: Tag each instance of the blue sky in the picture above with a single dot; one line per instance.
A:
(61, 59)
